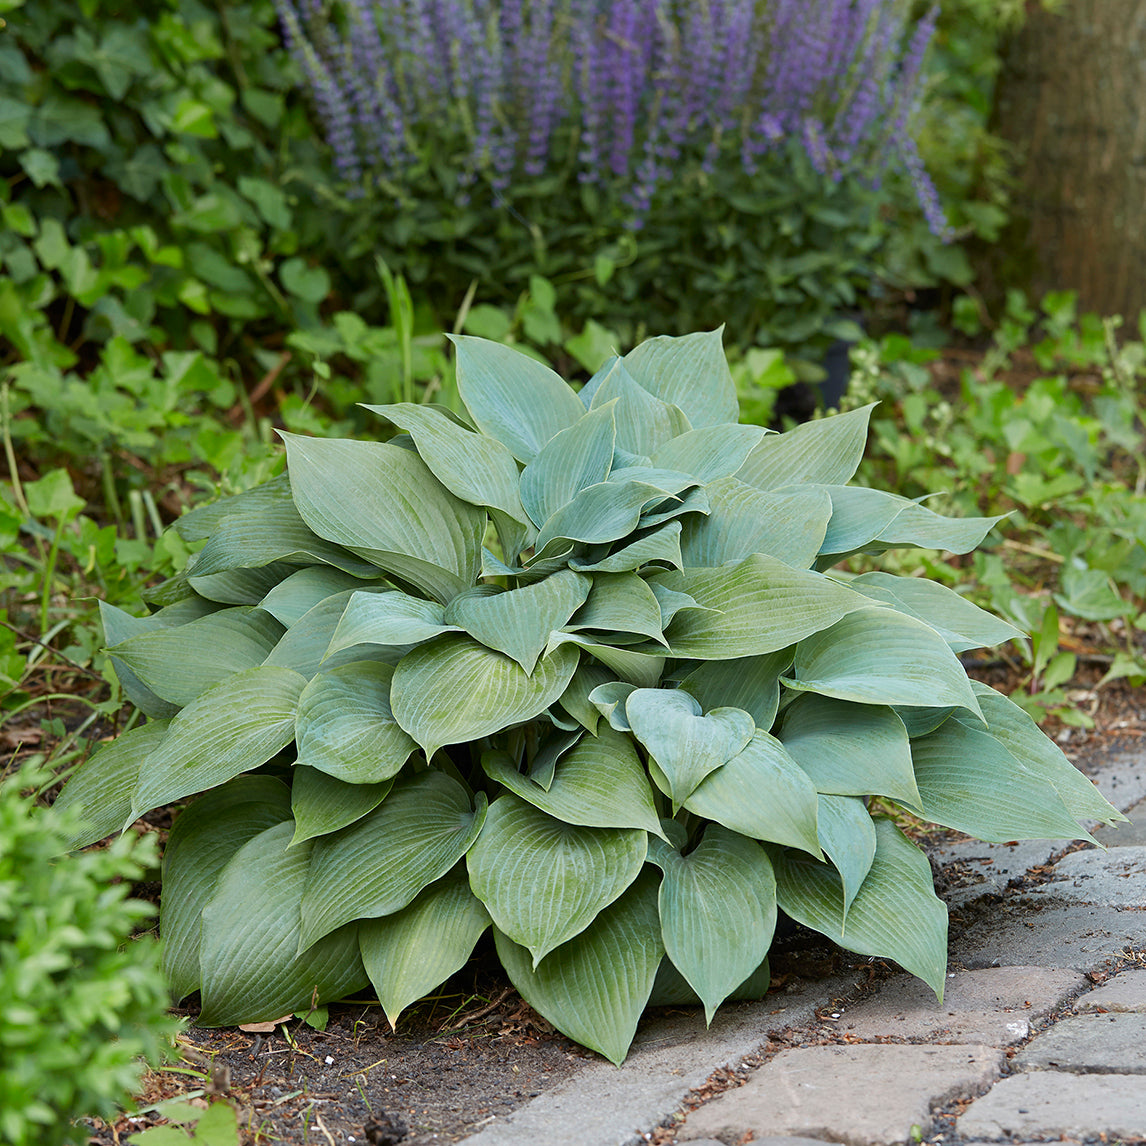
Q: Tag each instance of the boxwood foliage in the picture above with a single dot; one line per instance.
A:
(576, 667)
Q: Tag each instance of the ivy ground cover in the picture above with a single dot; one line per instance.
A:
(579, 666)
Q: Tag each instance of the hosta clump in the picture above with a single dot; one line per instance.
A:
(576, 666)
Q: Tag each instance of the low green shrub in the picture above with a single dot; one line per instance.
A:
(82, 1000)
(576, 664)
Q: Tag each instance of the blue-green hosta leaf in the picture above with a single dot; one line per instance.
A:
(119, 626)
(180, 663)
(411, 952)
(640, 668)
(620, 603)
(847, 836)
(710, 452)
(961, 624)
(512, 397)
(383, 503)
(234, 727)
(644, 422)
(787, 524)
(392, 620)
(873, 520)
(598, 514)
(475, 467)
(896, 913)
(762, 605)
(921, 721)
(750, 683)
(377, 865)
(204, 837)
(454, 689)
(598, 784)
(694, 501)
(859, 516)
(690, 372)
(556, 744)
(321, 804)
(519, 622)
(292, 598)
(762, 793)
(1019, 734)
(345, 728)
(257, 535)
(969, 781)
(880, 656)
(305, 647)
(850, 749)
(661, 545)
(572, 459)
(543, 880)
(671, 989)
(919, 526)
(609, 699)
(685, 744)
(595, 987)
(252, 970)
(824, 452)
(103, 786)
(718, 911)
(672, 602)
(575, 699)
(241, 586)
(199, 523)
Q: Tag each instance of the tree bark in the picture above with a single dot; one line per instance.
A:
(1071, 99)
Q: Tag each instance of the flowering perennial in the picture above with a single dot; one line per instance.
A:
(623, 91)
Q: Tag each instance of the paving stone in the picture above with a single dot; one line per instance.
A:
(861, 1095)
(1113, 879)
(1131, 834)
(1125, 992)
(1059, 935)
(994, 1006)
(1050, 1104)
(1106, 1044)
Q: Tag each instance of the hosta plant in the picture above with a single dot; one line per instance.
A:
(575, 666)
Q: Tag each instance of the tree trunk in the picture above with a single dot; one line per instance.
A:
(1072, 100)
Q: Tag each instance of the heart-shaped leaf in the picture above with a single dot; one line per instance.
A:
(519, 622)
(204, 837)
(345, 727)
(320, 804)
(250, 970)
(850, 749)
(880, 656)
(718, 911)
(598, 784)
(691, 372)
(709, 452)
(103, 787)
(825, 452)
(511, 397)
(969, 781)
(292, 598)
(234, 727)
(182, 662)
(786, 524)
(762, 605)
(572, 459)
(762, 793)
(411, 952)
(847, 836)
(383, 503)
(620, 603)
(895, 915)
(595, 987)
(643, 421)
(660, 545)
(394, 620)
(544, 880)
(377, 865)
(454, 689)
(685, 744)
